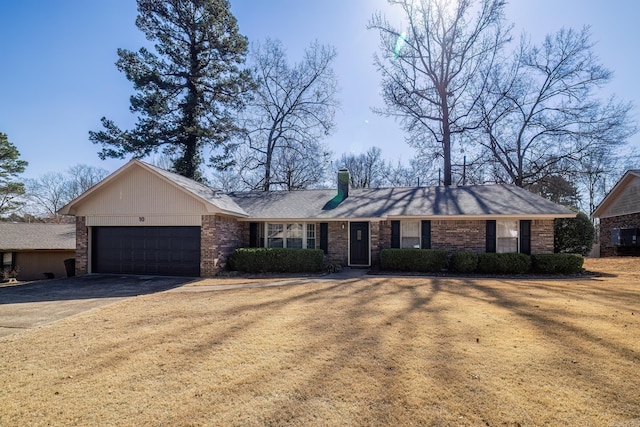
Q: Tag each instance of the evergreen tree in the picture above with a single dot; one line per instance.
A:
(188, 90)
(574, 235)
(10, 167)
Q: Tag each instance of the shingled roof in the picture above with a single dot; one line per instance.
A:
(437, 201)
(491, 200)
(28, 236)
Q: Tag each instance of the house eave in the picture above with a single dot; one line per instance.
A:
(406, 217)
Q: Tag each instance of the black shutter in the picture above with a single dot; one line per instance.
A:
(426, 234)
(324, 236)
(395, 234)
(254, 235)
(491, 236)
(525, 237)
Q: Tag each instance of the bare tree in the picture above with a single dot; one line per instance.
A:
(82, 177)
(47, 194)
(292, 111)
(430, 71)
(297, 171)
(541, 115)
(51, 191)
(366, 170)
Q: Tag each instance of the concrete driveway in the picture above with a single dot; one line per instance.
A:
(33, 304)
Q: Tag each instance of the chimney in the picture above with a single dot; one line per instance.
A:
(343, 184)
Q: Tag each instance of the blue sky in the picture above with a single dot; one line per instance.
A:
(57, 73)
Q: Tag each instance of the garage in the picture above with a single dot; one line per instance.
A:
(150, 250)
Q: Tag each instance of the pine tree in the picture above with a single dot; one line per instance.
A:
(10, 167)
(188, 90)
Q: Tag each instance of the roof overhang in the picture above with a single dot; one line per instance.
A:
(417, 217)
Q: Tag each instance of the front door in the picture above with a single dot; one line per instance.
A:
(359, 243)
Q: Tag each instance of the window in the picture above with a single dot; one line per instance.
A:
(293, 235)
(507, 236)
(275, 236)
(7, 261)
(311, 236)
(410, 234)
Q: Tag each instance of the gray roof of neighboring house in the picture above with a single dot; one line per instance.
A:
(475, 200)
(216, 197)
(30, 236)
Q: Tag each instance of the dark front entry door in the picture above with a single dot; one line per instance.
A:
(359, 243)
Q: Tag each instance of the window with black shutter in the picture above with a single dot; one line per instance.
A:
(525, 237)
(491, 236)
(395, 234)
(426, 234)
(324, 236)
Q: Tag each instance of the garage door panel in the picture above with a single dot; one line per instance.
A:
(167, 251)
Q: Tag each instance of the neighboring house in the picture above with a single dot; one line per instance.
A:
(145, 220)
(37, 251)
(619, 214)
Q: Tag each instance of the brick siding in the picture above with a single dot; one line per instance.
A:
(219, 237)
(82, 246)
(470, 235)
(608, 224)
(542, 232)
(338, 243)
(459, 235)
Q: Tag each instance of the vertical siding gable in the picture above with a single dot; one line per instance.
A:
(140, 192)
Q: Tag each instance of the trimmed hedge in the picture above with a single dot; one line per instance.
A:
(279, 260)
(421, 260)
(493, 263)
(557, 263)
(463, 262)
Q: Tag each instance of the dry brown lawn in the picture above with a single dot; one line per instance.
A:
(377, 351)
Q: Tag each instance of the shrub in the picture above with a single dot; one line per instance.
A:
(422, 260)
(573, 235)
(504, 263)
(463, 262)
(280, 260)
(557, 263)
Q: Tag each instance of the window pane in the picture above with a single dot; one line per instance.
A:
(507, 245)
(294, 243)
(311, 236)
(275, 236)
(311, 231)
(507, 236)
(410, 234)
(507, 228)
(275, 230)
(294, 231)
(275, 243)
(7, 260)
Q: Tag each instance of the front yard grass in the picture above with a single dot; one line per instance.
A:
(372, 351)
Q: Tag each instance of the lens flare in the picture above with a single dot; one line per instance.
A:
(400, 42)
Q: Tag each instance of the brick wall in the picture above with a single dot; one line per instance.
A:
(220, 236)
(470, 235)
(82, 246)
(375, 229)
(338, 243)
(622, 221)
(542, 231)
(459, 235)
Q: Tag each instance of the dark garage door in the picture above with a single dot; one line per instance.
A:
(164, 251)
